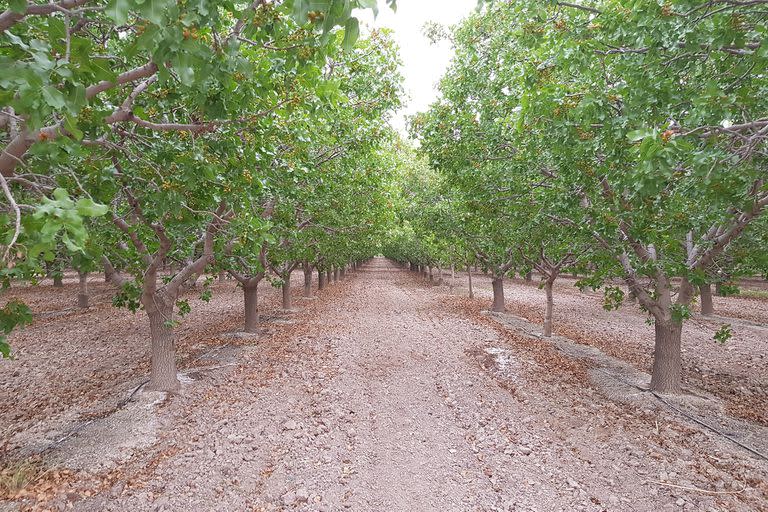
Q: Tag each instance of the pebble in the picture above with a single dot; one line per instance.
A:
(290, 425)
(302, 495)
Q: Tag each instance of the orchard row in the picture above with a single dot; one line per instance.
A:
(162, 141)
(625, 143)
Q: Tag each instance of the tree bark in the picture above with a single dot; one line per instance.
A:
(718, 289)
(469, 273)
(343, 273)
(335, 274)
(431, 275)
(667, 359)
(163, 347)
(548, 312)
(439, 275)
(706, 299)
(528, 277)
(320, 280)
(329, 277)
(307, 281)
(251, 296)
(82, 295)
(287, 292)
(498, 295)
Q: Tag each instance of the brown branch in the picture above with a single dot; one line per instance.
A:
(9, 18)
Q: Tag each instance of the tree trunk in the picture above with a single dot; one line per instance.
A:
(222, 276)
(469, 273)
(251, 296)
(718, 289)
(528, 277)
(287, 293)
(82, 295)
(343, 273)
(163, 376)
(320, 280)
(58, 281)
(431, 275)
(439, 275)
(328, 277)
(307, 281)
(667, 360)
(498, 295)
(548, 312)
(335, 274)
(706, 299)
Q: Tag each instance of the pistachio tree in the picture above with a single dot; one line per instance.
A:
(651, 124)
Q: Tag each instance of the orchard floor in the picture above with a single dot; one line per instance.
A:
(384, 394)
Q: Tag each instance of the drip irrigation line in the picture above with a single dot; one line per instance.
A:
(689, 416)
(122, 403)
(696, 489)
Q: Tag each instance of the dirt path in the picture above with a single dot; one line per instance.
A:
(385, 395)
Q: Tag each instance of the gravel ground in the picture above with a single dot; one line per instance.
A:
(387, 394)
(73, 364)
(736, 372)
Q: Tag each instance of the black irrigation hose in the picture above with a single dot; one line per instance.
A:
(124, 402)
(690, 417)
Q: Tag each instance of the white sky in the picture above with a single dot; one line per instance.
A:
(423, 63)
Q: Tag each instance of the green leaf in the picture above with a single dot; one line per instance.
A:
(637, 135)
(154, 10)
(71, 126)
(18, 6)
(53, 97)
(88, 208)
(351, 34)
(118, 10)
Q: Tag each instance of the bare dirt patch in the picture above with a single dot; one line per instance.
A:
(387, 394)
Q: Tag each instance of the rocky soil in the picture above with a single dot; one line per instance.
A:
(384, 394)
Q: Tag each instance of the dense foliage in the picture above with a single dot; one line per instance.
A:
(630, 138)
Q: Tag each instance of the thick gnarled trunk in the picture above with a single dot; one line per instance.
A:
(287, 292)
(163, 376)
(307, 281)
(667, 360)
(498, 295)
(82, 294)
(548, 312)
(251, 301)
